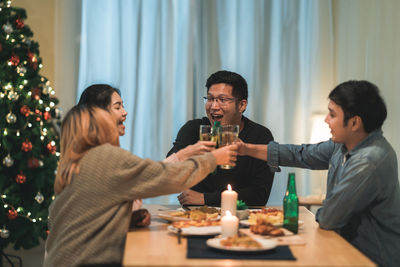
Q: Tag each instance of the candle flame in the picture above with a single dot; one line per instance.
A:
(229, 187)
(228, 213)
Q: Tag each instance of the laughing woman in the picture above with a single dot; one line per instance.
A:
(109, 98)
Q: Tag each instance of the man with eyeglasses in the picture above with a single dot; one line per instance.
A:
(251, 178)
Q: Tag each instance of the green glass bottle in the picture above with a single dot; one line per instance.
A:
(291, 206)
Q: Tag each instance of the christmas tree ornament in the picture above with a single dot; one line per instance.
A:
(20, 178)
(33, 61)
(4, 233)
(1, 47)
(14, 60)
(8, 161)
(11, 118)
(27, 41)
(21, 70)
(26, 146)
(13, 96)
(58, 113)
(19, 23)
(46, 115)
(12, 214)
(39, 198)
(8, 28)
(25, 110)
(35, 93)
(33, 163)
(47, 90)
(38, 115)
(51, 147)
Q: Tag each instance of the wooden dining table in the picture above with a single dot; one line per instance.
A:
(156, 246)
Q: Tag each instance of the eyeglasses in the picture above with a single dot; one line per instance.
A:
(220, 100)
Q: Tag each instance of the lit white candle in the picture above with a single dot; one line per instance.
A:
(228, 201)
(229, 225)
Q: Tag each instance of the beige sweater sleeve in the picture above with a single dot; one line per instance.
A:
(133, 177)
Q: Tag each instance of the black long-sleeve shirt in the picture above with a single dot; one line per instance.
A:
(250, 178)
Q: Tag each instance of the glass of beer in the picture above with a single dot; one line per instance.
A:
(206, 134)
(227, 136)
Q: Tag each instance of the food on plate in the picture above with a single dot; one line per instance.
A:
(183, 224)
(201, 213)
(240, 241)
(271, 215)
(266, 228)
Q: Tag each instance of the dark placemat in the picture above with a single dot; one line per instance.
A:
(198, 249)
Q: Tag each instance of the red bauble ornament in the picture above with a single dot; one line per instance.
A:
(52, 149)
(25, 110)
(20, 178)
(47, 232)
(31, 57)
(12, 214)
(38, 114)
(14, 60)
(33, 163)
(46, 115)
(26, 146)
(36, 93)
(19, 23)
(33, 62)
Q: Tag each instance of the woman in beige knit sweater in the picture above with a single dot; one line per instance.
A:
(96, 182)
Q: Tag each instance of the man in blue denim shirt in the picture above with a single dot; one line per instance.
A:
(363, 197)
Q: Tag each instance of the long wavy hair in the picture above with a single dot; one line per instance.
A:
(82, 128)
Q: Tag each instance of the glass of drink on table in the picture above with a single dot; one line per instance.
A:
(228, 135)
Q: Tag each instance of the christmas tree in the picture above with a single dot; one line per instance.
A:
(29, 138)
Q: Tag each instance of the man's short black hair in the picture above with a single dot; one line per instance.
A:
(238, 83)
(360, 98)
(98, 95)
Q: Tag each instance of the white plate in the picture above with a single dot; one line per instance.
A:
(247, 223)
(193, 230)
(166, 216)
(266, 244)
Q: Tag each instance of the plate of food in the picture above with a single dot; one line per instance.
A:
(196, 214)
(241, 243)
(247, 223)
(270, 215)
